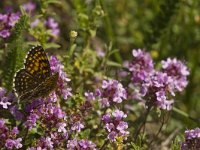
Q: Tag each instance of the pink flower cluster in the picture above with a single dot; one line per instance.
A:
(63, 80)
(115, 125)
(156, 87)
(80, 145)
(7, 22)
(5, 100)
(192, 139)
(111, 92)
(9, 137)
(52, 119)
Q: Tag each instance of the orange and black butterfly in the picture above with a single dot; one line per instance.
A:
(35, 79)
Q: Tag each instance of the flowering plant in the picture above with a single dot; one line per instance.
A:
(84, 84)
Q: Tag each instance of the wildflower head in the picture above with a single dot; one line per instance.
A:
(141, 65)
(177, 71)
(29, 7)
(115, 125)
(111, 92)
(63, 80)
(156, 87)
(7, 22)
(52, 25)
(80, 144)
(192, 139)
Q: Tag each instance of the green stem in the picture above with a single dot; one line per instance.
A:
(142, 124)
(104, 145)
(184, 114)
(109, 29)
(107, 22)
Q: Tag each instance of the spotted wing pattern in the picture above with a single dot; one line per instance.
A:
(42, 90)
(37, 64)
(35, 79)
(24, 82)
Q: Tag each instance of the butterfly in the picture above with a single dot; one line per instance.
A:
(35, 79)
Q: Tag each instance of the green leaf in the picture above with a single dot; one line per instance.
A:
(15, 53)
(33, 43)
(51, 45)
(52, 2)
(85, 133)
(112, 52)
(113, 64)
(20, 26)
(176, 144)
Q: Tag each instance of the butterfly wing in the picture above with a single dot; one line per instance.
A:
(42, 90)
(37, 64)
(35, 79)
(24, 82)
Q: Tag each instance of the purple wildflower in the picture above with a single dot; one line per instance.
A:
(44, 143)
(36, 148)
(52, 98)
(31, 120)
(29, 7)
(16, 113)
(18, 143)
(141, 66)
(106, 118)
(8, 8)
(87, 105)
(192, 139)
(57, 112)
(111, 92)
(77, 126)
(48, 143)
(119, 115)
(155, 90)
(3, 99)
(6, 99)
(2, 123)
(35, 23)
(85, 144)
(7, 22)
(72, 144)
(53, 120)
(115, 125)
(45, 112)
(80, 144)
(162, 101)
(8, 136)
(5, 104)
(76, 122)
(89, 96)
(15, 131)
(52, 141)
(52, 25)
(177, 71)
(155, 87)
(112, 136)
(61, 127)
(10, 144)
(56, 66)
(34, 104)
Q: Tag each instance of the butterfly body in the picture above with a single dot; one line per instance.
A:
(35, 80)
